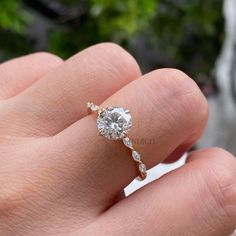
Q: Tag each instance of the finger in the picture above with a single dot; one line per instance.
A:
(234, 233)
(163, 105)
(18, 74)
(59, 99)
(198, 199)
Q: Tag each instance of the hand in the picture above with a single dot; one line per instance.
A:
(59, 177)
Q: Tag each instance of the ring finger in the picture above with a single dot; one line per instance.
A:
(169, 113)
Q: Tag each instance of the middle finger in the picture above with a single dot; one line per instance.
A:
(57, 100)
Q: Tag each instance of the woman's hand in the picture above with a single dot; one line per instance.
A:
(59, 177)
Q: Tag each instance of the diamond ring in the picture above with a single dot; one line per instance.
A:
(114, 123)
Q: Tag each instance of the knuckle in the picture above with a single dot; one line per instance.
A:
(112, 48)
(48, 57)
(173, 73)
(121, 59)
(184, 89)
(220, 152)
(14, 199)
(184, 96)
(219, 178)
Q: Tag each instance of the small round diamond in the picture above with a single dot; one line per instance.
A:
(114, 122)
(92, 106)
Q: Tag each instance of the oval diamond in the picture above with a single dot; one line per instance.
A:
(114, 122)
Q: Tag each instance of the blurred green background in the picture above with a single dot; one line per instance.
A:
(185, 34)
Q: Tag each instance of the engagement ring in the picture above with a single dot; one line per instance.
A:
(114, 123)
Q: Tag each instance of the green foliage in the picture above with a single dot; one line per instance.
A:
(184, 33)
(189, 32)
(13, 24)
(105, 20)
(12, 16)
(122, 16)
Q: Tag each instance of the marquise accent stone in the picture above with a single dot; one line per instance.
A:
(136, 156)
(142, 168)
(127, 142)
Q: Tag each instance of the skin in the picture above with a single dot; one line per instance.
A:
(59, 177)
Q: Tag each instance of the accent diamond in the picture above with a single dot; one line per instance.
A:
(114, 122)
(127, 142)
(142, 168)
(136, 156)
(93, 107)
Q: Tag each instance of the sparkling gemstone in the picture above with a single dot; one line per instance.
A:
(127, 142)
(136, 156)
(88, 104)
(114, 122)
(142, 168)
(92, 106)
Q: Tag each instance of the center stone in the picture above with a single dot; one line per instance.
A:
(114, 122)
